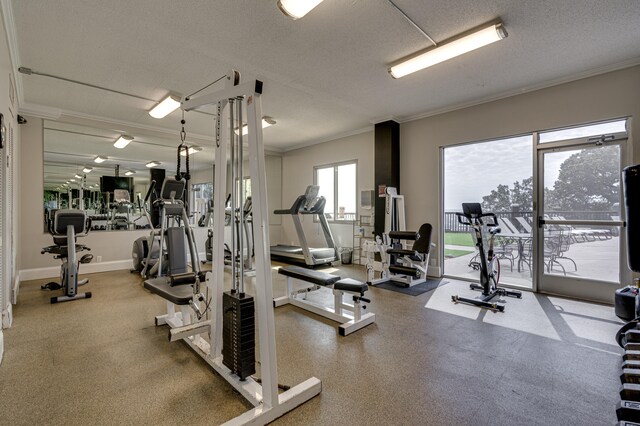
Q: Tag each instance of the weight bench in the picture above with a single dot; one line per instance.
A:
(348, 315)
(178, 291)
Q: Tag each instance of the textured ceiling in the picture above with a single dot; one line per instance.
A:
(325, 75)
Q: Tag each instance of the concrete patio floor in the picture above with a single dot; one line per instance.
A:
(598, 260)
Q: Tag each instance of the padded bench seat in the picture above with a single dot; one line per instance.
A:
(351, 285)
(308, 275)
(178, 295)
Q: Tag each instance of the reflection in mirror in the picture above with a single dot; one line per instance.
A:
(96, 170)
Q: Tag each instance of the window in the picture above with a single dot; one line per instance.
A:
(201, 194)
(338, 186)
(595, 129)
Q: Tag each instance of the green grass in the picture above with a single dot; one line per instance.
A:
(450, 253)
(459, 239)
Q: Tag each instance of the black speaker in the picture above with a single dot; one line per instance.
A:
(631, 180)
(157, 175)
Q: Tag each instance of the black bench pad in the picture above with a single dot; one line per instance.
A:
(304, 274)
(353, 286)
(178, 295)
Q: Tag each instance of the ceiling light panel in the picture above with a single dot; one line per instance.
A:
(122, 141)
(296, 9)
(165, 107)
(446, 51)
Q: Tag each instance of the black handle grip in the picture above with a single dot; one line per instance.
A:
(493, 218)
(364, 299)
(463, 222)
(151, 188)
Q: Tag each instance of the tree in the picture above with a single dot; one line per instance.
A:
(589, 180)
(522, 194)
(499, 200)
(502, 198)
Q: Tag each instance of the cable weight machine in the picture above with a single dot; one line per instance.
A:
(224, 334)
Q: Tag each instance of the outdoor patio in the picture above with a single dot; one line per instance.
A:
(595, 259)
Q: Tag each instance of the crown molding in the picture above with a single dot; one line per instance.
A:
(330, 138)
(510, 93)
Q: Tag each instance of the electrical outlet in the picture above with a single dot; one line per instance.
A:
(98, 259)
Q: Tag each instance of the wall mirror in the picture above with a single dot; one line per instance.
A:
(87, 168)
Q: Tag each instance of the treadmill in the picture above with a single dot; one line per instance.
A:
(307, 204)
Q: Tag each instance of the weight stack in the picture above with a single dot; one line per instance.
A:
(238, 334)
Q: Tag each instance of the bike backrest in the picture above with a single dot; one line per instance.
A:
(68, 217)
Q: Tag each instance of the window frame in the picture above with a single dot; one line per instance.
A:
(335, 189)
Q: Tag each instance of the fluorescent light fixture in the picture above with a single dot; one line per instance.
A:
(72, 180)
(122, 141)
(129, 173)
(87, 169)
(153, 163)
(165, 107)
(78, 177)
(100, 159)
(192, 150)
(266, 122)
(448, 50)
(296, 9)
(66, 183)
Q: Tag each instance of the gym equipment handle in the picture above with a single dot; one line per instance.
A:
(151, 188)
(404, 235)
(181, 279)
(478, 217)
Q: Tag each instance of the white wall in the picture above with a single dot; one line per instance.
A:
(611, 95)
(297, 174)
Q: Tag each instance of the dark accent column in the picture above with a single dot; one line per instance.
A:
(158, 175)
(387, 166)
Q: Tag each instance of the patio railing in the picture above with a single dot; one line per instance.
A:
(451, 221)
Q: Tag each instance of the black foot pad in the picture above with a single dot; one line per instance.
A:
(51, 286)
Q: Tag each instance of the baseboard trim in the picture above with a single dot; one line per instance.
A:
(7, 317)
(89, 268)
(16, 288)
(434, 271)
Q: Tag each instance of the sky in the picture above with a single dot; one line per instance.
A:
(472, 171)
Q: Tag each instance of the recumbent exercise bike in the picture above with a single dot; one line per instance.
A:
(473, 217)
(65, 226)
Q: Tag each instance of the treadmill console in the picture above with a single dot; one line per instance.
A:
(311, 195)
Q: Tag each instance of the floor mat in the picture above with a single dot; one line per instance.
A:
(416, 290)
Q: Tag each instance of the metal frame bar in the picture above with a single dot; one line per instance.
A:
(350, 321)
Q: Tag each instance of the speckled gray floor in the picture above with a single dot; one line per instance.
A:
(426, 361)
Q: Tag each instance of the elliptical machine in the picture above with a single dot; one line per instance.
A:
(65, 226)
(473, 217)
(146, 250)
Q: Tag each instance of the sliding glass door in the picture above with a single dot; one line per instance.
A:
(580, 235)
